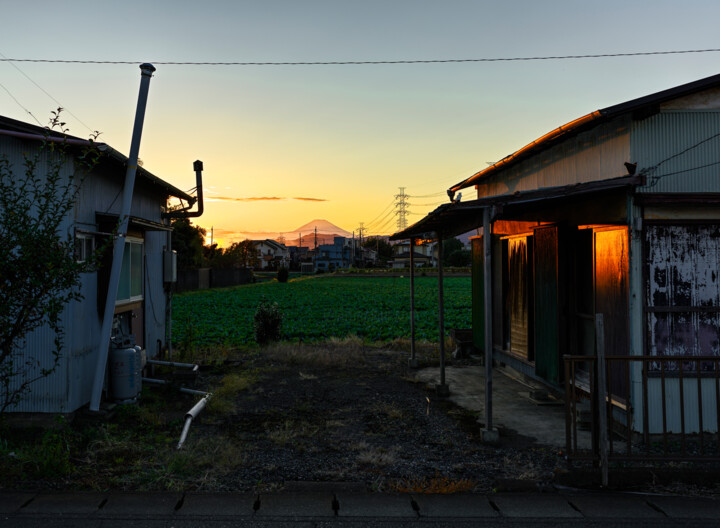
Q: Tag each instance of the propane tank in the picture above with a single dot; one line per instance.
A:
(125, 370)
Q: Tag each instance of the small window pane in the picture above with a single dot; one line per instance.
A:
(124, 287)
(136, 270)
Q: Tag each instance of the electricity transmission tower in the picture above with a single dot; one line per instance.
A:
(401, 208)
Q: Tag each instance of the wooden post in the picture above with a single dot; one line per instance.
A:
(601, 389)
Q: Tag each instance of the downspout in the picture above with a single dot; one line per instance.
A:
(119, 244)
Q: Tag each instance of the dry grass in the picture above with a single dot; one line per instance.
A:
(336, 353)
(378, 456)
(223, 399)
(291, 430)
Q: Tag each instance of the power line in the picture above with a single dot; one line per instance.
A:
(369, 62)
(655, 179)
(20, 104)
(390, 213)
(9, 61)
(383, 211)
(427, 195)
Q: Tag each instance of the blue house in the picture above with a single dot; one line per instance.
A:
(329, 257)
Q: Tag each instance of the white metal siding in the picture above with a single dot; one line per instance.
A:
(598, 154)
(664, 135)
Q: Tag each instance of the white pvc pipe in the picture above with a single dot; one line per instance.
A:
(192, 366)
(192, 413)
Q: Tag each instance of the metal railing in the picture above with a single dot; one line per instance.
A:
(649, 408)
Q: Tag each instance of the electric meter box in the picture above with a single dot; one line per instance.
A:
(170, 266)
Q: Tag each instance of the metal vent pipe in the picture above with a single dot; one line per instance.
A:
(119, 243)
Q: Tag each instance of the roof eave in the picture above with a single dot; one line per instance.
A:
(588, 121)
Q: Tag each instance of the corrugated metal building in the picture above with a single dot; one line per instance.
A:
(141, 304)
(618, 213)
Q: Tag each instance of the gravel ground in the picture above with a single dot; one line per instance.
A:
(314, 418)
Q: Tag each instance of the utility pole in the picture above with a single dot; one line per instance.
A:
(401, 208)
(361, 230)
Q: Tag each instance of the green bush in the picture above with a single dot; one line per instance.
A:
(283, 274)
(267, 322)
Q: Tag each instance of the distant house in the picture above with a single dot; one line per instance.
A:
(615, 213)
(330, 257)
(424, 255)
(271, 254)
(142, 299)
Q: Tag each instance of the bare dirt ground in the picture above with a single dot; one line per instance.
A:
(320, 414)
(333, 412)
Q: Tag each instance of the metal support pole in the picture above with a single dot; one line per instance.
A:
(413, 363)
(601, 389)
(119, 244)
(487, 279)
(442, 389)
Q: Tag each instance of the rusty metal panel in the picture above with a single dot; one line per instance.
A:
(598, 154)
(683, 289)
(684, 146)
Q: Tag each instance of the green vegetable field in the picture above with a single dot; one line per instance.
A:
(375, 308)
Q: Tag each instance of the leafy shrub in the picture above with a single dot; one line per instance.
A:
(283, 274)
(267, 322)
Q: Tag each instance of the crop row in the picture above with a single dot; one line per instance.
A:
(375, 308)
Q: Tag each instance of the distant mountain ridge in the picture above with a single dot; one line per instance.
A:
(305, 235)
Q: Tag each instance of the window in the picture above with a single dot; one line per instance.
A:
(131, 274)
(84, 246)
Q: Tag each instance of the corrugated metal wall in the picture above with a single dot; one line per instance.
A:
(155, 242)
(595, 155)
(664, 135)
(69, 387)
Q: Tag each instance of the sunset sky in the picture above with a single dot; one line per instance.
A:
(282, 145)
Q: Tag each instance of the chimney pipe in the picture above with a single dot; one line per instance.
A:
(184, 213)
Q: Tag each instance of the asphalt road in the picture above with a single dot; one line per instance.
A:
(339, 508)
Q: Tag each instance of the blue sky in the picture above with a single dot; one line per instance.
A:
(346, 135)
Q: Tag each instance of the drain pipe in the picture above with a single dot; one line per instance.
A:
(191, 414)
(119, 243)
(173, 364)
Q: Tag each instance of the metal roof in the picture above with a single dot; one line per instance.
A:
(452, 219)
(24, 130)
(645, 106)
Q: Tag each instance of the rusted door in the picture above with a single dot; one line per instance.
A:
(611, 298)
(519, 298)
(547, 304)
(478, 293)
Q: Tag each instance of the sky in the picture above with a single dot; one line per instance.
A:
(283, 145)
